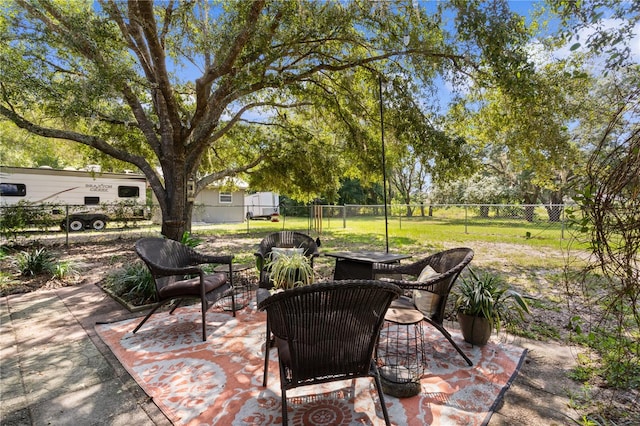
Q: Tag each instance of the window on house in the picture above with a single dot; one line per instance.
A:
(225, 197)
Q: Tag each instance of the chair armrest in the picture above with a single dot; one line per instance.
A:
(395, 268)
(410, 285)
(164, 271)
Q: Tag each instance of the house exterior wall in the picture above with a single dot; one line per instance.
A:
(208, 208)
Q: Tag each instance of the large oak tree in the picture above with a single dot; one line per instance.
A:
(177, 88)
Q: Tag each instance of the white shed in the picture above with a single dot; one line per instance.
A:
(216, 204)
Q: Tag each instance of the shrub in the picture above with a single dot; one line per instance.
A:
(34, 262)
(133, 283)
(61, 270)
(18, 218)
(189, 240)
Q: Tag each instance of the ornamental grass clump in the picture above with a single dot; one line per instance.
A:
(133, 283)
(487, 296)
(290, 270)
(34, 262)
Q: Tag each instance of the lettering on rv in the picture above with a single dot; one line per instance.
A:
(98, 187)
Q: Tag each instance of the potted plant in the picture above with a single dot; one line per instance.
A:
(483, 302)
(289, 270)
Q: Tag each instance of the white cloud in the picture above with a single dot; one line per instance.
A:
(586, 33)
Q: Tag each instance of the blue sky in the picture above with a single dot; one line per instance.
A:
(524, 8)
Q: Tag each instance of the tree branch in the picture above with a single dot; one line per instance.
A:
(203, 84)
(88, 140)
(144, 11)
(238, 115)
(86, 49)
(133, 37)
(209, 179)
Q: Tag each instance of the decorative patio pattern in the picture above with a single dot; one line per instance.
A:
(219, 381)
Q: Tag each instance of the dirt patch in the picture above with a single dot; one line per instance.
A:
(90, 263)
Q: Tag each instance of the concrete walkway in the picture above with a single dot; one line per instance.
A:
(55, 370)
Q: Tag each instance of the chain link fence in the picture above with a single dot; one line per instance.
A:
(528, 220)
(26, 219)
(471, 218)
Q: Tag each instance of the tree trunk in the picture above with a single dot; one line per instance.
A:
(409, 211)
(173, 229)
(176, 211)
(530, 198)
(554, 211)
(529, 212)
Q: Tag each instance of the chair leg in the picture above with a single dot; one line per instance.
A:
(267, 347)
(446, 334)
(155, 308)
(233, 301)
(285, 420)
(205, 306)
(175, 306)
(385, 413)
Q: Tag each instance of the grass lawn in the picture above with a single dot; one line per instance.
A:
(413, 235)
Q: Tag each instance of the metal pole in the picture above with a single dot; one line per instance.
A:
(384, 166)
(66, 228)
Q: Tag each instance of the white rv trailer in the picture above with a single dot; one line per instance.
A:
(262, 205)
(46, 186)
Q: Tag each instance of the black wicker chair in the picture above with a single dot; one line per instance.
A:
(328, 331)
(448, 264)
(171, 263)
(282, 239)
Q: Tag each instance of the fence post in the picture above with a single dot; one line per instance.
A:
(317, 218)
(562, 224)
(344, 216)
(465, 219)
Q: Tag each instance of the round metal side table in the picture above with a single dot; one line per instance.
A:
(242, 283)
(400, 352)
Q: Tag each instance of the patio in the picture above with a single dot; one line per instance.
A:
(56, 370)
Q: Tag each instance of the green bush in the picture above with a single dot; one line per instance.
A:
(133, 283)
(189, 240)
(18, 218)
(61, 270)
(617, 359)
(34, 262)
